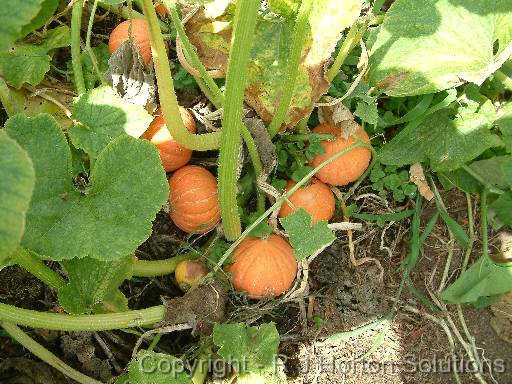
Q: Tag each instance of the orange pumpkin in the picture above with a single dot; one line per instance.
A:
(263, 267)
(189, 273)
(139, 30)
(348, 167)
(316, 199)
(193, 198)
(172, 154)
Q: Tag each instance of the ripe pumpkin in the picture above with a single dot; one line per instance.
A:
(189, 273)
(193, 197)
(316, 199)
(140, 34)
(172, 154)
(263, 267)
(348, 167)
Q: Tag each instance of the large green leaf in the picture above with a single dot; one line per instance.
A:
(483, 279)
(447, 143)
(127, 188)
(102, 117)
(155, 368)
(92, 282)
(17, 181)
(14, 15)
(425, 46)
(48, 8)
(253, 348)
(26, 63)
(271, 48)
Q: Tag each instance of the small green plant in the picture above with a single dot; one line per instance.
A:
(389, 179)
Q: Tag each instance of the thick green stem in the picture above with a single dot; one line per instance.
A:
(243, 33)
(63, 322)
(194, 58)
(353, 36)
(201, 368)
(152, 268)
(168, 100)
(504, 80)
(76, 60)
(300, 34)
(214, 94)
(36, 267)
(483, 220)
(88, 47)
(256, 162)
(49, 358)
(282, 198)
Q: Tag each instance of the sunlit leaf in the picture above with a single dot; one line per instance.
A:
(425, 46)
(126, 189)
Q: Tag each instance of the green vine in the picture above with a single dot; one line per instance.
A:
(76, 60)
(168, 99)
(354, 34)
(243, 33)
(63, 322)
(153, 268)
(300, 35)
(38, 350)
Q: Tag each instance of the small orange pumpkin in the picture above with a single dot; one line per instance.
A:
(172, 154)
(263, 267)
(348, 167)
(193, 197)
(140, 34)
(189, 273)
(316, 199)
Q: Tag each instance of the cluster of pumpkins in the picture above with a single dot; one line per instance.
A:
(261, 267)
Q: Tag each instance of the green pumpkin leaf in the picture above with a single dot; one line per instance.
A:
(426, 46)
(155, 368)
(447, 143)
(91, 282)
(15, 15)
(483, 279)
(17, 180)
(27, 64)
(48, 8)
(319, 235)
(127, 188)
(503, 208)
(252, 348)
(102, 117)
(504, 123)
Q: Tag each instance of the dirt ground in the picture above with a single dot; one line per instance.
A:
(414, 350)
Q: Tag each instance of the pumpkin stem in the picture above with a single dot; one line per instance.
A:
(76, 60)
(243, 33)
(300, 34)
(168, 99)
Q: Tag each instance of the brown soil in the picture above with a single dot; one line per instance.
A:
(341, 298)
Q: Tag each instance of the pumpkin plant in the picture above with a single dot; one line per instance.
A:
(82, 187)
